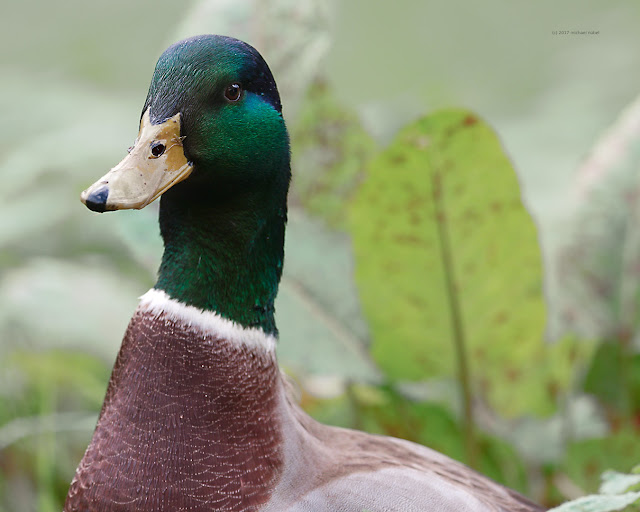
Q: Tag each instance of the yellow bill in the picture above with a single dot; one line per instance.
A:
(154, 165)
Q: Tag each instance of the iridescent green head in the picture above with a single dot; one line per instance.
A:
(214, 145)
(229, 107)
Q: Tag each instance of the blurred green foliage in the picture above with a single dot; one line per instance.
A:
(332, 149)
(548, 418)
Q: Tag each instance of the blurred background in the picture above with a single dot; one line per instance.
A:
(555, 398)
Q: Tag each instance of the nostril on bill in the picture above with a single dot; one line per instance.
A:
(97, 200)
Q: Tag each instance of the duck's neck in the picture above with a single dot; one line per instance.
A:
(223, 254)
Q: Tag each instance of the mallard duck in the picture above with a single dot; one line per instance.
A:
(197, 416)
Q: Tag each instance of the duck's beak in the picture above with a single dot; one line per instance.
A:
(154, 164)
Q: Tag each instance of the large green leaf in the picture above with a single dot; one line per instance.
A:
(438, 228)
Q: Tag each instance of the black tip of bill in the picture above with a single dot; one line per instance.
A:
(97, 200)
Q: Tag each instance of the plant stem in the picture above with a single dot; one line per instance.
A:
(456, 318)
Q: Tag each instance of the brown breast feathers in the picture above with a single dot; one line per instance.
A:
(187, 425)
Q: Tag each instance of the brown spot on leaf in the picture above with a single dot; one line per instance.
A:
(512, 374)
(573, 354)
(407, 239)
(553, 389)
(470, 120)
(501, 317)
(415, 202)
(414, 218)
(398, 158)
(592, 467)
(415, 300)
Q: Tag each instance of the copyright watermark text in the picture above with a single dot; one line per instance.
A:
(575, 32)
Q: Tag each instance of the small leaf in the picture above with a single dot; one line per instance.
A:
(614, 482)
(599, 503)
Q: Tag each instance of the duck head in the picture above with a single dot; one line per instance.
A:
(212, 116)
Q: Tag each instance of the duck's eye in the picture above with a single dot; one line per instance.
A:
(233, 92)
(157, 149)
